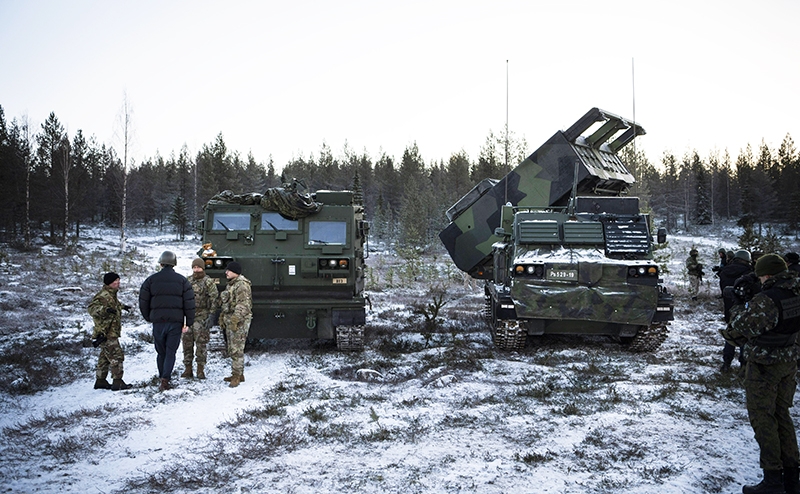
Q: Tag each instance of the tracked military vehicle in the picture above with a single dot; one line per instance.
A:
(304, 255)
(561, 249)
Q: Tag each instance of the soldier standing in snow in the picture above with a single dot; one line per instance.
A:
(767, 326)
(206, 297)
(738, 267)
(166, 300)
(695, 271)
(793, 263)
(106, 312)
(235, 316)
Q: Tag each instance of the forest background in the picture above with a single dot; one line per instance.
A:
(53, 184)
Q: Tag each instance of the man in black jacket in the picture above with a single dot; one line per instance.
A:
(739, 266)
(166, 300)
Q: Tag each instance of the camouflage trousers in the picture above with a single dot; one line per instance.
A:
(195, 341)
(236, 340)
(694, 285)
(770, 392)
(111, 358)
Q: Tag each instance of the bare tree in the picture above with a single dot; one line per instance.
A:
(124, 132)
(65, 167)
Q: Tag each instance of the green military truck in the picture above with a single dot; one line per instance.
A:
(304, 255)
(561, 249)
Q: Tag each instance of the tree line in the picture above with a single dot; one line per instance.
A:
(53, 184)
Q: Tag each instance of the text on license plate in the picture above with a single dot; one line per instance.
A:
(562, 274)
(340, 281)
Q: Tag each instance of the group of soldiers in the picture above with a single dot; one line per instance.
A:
(181, 310)
(761, 300)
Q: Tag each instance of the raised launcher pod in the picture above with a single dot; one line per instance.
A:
(545, 179)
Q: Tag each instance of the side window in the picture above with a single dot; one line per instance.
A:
(231, 221)
(275, 222)
(327, 233)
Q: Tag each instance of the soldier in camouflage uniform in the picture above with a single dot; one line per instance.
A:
(106, 312)
(695, 271)
(767, 326)
(206, 299)
(793, 262)
(235, 316)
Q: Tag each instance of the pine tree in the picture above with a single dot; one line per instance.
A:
(703, 213)
(358, 192)
(50, 159)
(744, 174)
(790, 176)
(178, 217)
(416, 208)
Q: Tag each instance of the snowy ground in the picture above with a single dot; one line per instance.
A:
(415, 412)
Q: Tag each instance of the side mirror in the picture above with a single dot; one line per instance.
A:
(661, 236)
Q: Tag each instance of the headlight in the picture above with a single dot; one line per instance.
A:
(218, 263)
(536, 270)
(640, 271)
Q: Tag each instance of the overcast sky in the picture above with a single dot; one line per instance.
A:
(281, 78)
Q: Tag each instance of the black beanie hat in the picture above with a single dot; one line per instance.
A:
(110, 278)
(234, 267)
(770, 264)
(792, 257)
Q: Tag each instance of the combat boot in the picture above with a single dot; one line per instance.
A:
(235, 380)
(119, 384)
(228, 379)
(791, 480)
(101, 384)
(772, 484)
(187, 374)
(164, 386)
(201, 371)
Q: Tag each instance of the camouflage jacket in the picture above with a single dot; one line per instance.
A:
(105, 322)
(756, 317)
(237, 300)
(693, 266)
(206, 295)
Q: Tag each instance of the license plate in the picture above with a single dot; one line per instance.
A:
(562, 274)
(340, 281)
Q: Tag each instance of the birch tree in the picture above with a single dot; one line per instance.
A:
(124, 133)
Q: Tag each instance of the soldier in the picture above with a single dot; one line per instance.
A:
(793, 263)
(695, 271)
(206, 298)
(166, 299)
(235, 316)
(106, 311)
(723, 258)
(738, 267)
(767, 326)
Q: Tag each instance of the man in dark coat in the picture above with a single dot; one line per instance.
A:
(738, 267)
(767, 326)
(166, 300)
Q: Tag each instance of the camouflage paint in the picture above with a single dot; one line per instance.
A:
(542, 180)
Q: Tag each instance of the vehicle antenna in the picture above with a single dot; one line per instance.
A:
(633, 96)
(505, 198)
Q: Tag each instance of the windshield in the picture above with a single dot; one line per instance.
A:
(231, 221)
(327, 233)
(276, 222)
